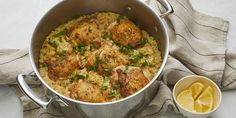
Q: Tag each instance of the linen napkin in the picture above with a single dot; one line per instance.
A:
(197, 46)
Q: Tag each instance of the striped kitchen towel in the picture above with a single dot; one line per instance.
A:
(197, 46)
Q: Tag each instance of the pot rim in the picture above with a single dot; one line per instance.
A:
(162, 25)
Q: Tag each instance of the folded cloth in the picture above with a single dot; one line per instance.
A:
(197, 46)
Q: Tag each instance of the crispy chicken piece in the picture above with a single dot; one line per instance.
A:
(85, 33)
(87, 92)
(126, 33)
(112, 58)
(97, 43)
(90, 59)
(58, 68)
(130, 80)
(107, 58)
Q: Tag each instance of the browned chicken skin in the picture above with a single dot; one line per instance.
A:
(108, 59)
(126, 33)
(85, 33)
(62, 68)
(97, 43)
(87, 92)
(130, 80)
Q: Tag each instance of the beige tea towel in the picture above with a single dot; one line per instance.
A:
(197, 46)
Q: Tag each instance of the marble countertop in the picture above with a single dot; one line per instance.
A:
(15, 15)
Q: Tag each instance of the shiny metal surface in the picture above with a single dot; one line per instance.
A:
(135, 10)
(28, 92)
(168, 8)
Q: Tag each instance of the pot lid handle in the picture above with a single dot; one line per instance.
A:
(37, 100)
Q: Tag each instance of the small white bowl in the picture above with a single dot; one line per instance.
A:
(184, 83)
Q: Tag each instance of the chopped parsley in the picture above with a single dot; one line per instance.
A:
(60, 39)
(143, 41)
(125, 49)
(98, 61)
(106, 36)
(112, 94)
(107, 70)
(90, 47)
(61, 33)
(145, 63)
(126, 68)
(105, 78)
(79, 48)
(42, 65)
(136, 58)
(53, 44)
(119, 18)
(103, 88)
(77, 76)
(92, 68)
(62, 54)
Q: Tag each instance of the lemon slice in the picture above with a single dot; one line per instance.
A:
(197, 107)
(206, 99)
(186, 100)
(196, 88)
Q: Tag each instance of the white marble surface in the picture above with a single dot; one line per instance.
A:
(19, 18)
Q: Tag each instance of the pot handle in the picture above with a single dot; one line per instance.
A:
(28, 92)
(167, 6)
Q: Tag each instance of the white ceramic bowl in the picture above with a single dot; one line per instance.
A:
(184, 83)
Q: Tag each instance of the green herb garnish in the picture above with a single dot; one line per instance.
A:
(62, 54)
(106, 70)
(79, 48)
(42, 65)
(98, 61)
(53, 44)
(104, 88)
(112, 94)
(145, 63)
(60, 39)
(136, 58)
(90, 47)
(61, 33)
(92, 68)
(119, 18)
(125, 49)
(106, 36)
(105, 78)
(143, 41)
(77, 76)
(126, 68)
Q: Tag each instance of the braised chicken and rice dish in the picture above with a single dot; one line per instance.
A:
(99, 57)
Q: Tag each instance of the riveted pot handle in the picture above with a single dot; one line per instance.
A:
(167, 6)
(28, 92)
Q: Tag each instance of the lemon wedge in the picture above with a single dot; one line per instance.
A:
(196, 88)
(206, 99)
(186, 100)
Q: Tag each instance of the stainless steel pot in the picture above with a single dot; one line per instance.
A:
(137, 11)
